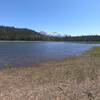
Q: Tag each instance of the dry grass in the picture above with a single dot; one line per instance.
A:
(75, 78)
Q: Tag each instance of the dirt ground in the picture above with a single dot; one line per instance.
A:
(75, 78)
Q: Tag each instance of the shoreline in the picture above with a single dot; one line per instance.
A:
(47, 62)
(76, 77)
(36, 65)
(20, 41)
(82, 42)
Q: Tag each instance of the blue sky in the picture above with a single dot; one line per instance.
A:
(75, 17)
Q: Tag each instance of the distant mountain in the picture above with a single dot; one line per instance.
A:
(43, 33)
(12, 33)
(23, 34)
(54, 34)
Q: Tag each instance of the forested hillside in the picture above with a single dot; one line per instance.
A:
(22, 34)
(11, 33)
(89, 38)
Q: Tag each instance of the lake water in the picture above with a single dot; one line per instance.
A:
(28, 53)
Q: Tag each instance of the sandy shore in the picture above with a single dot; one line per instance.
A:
(75, 78)
(21, 41)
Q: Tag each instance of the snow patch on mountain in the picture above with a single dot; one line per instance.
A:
(55, 34)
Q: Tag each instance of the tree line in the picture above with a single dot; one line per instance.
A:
(88, 38)
(22, 34)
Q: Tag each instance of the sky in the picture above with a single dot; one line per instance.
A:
(70, 17)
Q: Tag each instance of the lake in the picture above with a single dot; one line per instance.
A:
(28, 53)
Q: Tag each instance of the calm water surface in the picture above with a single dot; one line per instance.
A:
(28, 53)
